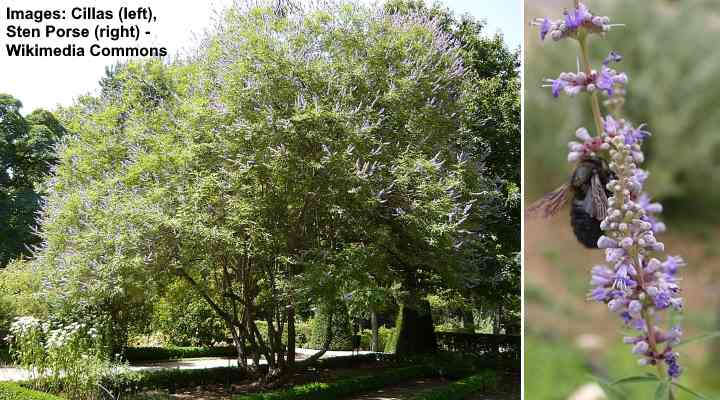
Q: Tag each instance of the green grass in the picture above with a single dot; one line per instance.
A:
(12, 391)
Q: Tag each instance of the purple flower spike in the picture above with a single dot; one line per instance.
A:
(572, 22)
(634, 284)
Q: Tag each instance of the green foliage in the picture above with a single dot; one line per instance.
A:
(145, 354)
(389, 334)
(12, 391)
(672, 88)
(552, 370)
(344, 387)
(185, 318)
(342, 331)
(451, 366)
(484, 381)
(26, 153)
(357, 359)
(384, 338)
(295, 161)
(5, 358)
(65, 358)
(131, 381)
(280, 168)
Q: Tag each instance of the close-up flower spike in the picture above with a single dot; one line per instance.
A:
(634, 283)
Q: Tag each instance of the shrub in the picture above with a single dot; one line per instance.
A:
(12, 391)
(352, 361)
(342, 333)
(131, 381)
(146, 354)
(387, 335)
(384, 336)
(486, 380)
(65, 358)
(5, 356)
(185, 318)
(344, 387)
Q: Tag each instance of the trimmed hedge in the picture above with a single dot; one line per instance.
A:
(173, 378)
(352, 361)
(345, 387)
(486, 380)
(12, 391)
(498, 346)
(147, 354)
(5, 355)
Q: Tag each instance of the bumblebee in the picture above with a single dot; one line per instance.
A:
(589, 200)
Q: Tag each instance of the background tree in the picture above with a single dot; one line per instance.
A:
(26, 155)
(488, 269)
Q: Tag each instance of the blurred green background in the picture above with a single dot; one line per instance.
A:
(671, 53)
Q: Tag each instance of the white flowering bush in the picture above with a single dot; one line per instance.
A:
(61, 358)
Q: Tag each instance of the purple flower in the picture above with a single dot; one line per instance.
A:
(612, 57)
(545, 27)
(571, 23)
(605, 81)
(641, 348)
(674, 369)
(672, 264)
(557, 86)
(662, 300)
(606, 243)
(614, 255)
(576, 18)
(600, 294)
(638, 134)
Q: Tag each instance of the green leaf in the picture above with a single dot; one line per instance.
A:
(636, 379)
(663, 391)
(707, 336)
(688, 390)
(613, 393)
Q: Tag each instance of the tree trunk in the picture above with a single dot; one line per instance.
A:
(375, 343)
(497, 325)
(468, 320)
(414, 329)
(291, 336)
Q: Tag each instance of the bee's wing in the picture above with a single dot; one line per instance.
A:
(599, 200)
(550, 203)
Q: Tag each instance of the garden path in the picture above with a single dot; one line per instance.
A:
(18, 374)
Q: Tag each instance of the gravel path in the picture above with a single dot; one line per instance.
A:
(17, 374)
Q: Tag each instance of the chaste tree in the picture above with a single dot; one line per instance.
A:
(301, 154)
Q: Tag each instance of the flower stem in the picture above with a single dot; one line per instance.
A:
(594, 102)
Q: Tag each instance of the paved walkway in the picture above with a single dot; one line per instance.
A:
(17, 374)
